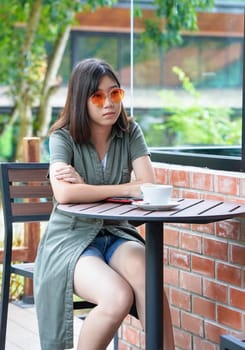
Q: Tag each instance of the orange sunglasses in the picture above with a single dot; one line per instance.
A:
(99, 97)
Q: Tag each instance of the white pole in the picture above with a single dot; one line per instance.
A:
(132, 58)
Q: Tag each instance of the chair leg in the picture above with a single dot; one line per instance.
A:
(115, 341)
(5, 295)
(4, 312)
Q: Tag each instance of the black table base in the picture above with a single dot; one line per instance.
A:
(154, 285)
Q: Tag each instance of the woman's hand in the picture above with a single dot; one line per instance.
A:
(69, 174)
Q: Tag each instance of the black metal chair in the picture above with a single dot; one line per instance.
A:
(26, 197)
(232, 342)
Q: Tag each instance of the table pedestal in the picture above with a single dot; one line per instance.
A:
(154, 285)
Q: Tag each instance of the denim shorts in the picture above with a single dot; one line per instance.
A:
(104, 245)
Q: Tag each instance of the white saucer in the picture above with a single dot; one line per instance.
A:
(147, 206)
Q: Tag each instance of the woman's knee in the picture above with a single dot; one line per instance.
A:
(118, 301)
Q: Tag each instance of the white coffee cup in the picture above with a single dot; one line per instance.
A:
(156, 194)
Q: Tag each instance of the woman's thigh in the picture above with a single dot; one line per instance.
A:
(96, 281)
(129, 261)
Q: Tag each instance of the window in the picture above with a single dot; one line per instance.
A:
(212, 105)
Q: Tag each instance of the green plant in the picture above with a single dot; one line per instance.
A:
(197, 124)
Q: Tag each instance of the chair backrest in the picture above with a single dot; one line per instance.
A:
(26, 192)
(27, 197)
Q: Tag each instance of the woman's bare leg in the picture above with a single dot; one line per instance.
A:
(97, 282)
(129, 261)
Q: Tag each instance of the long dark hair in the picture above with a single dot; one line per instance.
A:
(84, 81)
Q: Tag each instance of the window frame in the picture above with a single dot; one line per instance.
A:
(199, 156)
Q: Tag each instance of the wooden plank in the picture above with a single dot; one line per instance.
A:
(22, 330)
(22, 175)
(32, 209)
(18, 254)
(27, 191)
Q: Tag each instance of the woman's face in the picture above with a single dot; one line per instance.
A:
(104, 106)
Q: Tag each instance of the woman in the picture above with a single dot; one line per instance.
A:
(94, 148)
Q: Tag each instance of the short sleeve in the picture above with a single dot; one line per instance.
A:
(138, 147)
(60, 147)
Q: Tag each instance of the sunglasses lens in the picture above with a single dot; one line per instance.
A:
(117, 95)
(98, 98)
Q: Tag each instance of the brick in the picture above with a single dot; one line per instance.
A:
(201, 181)
(237, 298)
(226, 184)
(166, 255)
(215, 291)
(202, 265)
(123, 346)
(179, 226)
(171, 237)
(131, 335)
(215, 248)
(191, 282)
(242, 187)
(179, 178)
(175, 193)
(237, 254)
(141, 230)
(214, 196)
(229, 317)
(180, 299)
(190, 194)
(228, 229)
(175, 315)
(202, 344)
(128, 320)
(204, 228)
(161, 175)
(192, 323)
(142, 340)
(180, 259)
(171, 276)
(191, 242)
(242, 230)
(182, 339)
(203, 307)
(213, 331)
(228, 273)
(167, 291)
(134, 322)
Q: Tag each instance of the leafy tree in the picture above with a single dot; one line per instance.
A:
(173, 17)
(33, 37)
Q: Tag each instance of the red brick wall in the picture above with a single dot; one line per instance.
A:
(204, 265)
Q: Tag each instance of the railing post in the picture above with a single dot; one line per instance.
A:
(31, 153)
(31, 149)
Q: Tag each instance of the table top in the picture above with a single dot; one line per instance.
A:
(187, 211)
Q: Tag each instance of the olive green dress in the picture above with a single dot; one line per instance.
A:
(67, 236)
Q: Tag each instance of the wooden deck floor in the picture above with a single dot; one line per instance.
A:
(22, 331)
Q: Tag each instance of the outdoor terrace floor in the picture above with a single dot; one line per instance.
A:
(22, 331)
